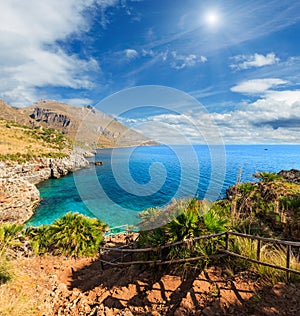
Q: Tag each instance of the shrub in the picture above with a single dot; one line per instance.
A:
(4, 270)
(246, 187)
(267, 176)
(194, 218)
(73, 234)
(10, 235)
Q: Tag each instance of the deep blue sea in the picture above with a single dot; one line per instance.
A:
(133, 179)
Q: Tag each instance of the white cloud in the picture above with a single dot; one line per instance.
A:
(148, 52)
(30, 57)
(184, 61)
(104, 4)
(256, 60)
(257, 86)
(274, 118)
(131, 53)
(181, 128)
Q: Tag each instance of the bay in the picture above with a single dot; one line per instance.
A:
(133, 179)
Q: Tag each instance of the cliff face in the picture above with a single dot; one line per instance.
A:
(18, 194)
(50, 117)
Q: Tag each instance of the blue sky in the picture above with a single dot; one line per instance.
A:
(239, 59)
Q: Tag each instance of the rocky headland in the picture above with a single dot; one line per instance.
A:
(30, 136)
(18, 194)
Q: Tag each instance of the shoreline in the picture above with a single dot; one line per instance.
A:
(18, 183)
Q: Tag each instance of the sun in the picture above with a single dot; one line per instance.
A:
(212, 18)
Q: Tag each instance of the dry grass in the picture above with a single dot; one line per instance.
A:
(21, 295)
(277, 256)
(270, 253)
(16, 139)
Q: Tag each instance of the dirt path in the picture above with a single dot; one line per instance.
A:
(65, 286)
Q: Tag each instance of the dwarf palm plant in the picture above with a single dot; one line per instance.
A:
(213, 223)
(73, 234)
(267, 176)
(9, 235)
(185, 226)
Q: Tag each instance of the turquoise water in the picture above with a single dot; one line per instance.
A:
(131, 180)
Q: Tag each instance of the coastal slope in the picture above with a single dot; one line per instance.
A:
(84, 125)
(45, 140)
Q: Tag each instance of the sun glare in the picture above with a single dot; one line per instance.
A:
(212, 18)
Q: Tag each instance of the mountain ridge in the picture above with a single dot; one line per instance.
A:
(84, 125)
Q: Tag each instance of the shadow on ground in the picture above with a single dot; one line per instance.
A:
(144, 290)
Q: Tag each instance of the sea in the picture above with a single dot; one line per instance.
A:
(131, 180)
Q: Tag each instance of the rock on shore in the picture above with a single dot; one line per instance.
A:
(292, 175)
(18, 193)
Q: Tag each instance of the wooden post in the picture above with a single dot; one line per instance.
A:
(258, 249)
(288, 262)
(227, 241)
(160, 254)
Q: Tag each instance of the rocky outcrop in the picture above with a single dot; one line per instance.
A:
(18, 194)
(61, 167)
(292, 175)
(18, 198)
(48, 116)
(44, 168)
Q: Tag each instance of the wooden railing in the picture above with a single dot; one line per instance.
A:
(126, 252)
(288, 246)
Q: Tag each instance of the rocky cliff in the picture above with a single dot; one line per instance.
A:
(85, 125)
(18, 198)
(50, 117)
(18, 193)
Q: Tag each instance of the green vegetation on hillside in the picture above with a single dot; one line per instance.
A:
(72, 235)
(21, 143)
(269, 208)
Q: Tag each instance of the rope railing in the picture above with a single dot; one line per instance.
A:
(229, 237)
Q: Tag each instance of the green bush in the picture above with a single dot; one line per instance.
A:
(10, 235)
(246, 187)
(267, 176)
(73, 234)
(4, 270)
(189, 218)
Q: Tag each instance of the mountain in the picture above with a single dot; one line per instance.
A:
(85, 125)
(10, 113)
